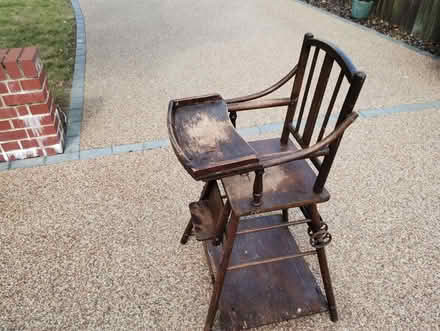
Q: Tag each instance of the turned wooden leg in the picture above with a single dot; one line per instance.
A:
(221, 272)
(323, 265)
(233, 118)
(186, 233)
(221, 224)
(285, 215)
(258, 188)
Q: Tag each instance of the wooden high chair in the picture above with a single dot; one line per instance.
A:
(258, 271)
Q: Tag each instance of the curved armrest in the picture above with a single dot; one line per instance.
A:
(267, 91)
(258, 104)
(312, 150)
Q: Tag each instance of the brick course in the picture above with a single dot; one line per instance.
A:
(30, 122)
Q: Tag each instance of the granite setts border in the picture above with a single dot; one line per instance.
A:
(76, 110)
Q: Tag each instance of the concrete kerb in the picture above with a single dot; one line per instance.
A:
(95, 153)
(72, 145)
(128, 148)
(60, 158)
(406, 108)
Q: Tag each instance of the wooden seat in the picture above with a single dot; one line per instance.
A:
(268, 280)
(287, 185)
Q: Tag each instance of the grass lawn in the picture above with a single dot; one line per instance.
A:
(49, 25)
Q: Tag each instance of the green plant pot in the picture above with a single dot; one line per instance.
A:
(361, 9)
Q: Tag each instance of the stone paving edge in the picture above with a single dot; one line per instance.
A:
(74, 120)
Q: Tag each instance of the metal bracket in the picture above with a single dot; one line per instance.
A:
(320, 238)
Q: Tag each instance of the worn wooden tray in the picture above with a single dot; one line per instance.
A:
(204, 140)
(266, 293)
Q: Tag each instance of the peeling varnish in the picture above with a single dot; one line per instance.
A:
(206, 133)
(273, 181)
(275, 178)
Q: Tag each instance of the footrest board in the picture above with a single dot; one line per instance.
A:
(266, 293)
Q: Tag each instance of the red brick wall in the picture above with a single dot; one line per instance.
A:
(30, 122)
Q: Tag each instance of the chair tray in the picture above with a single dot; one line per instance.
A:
(203, 138)
(285, 186)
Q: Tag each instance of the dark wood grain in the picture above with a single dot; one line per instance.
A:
(189, 227)
(266, 293)
(222, 264)
(206, 214)
(307, 89)
(317, 99)
(296, 89)
(259, 273)
(281, 225)
(357, 81)
(204, 139)
(258, 104)
(330, 106)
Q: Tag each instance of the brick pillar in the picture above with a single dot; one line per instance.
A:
(30, 122)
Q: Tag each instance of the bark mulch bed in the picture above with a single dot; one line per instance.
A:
(342, 10)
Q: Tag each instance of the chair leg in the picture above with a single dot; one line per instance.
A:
(186, 233)
(221, 273)
(323, 265)
(221, 224)
(285, 215)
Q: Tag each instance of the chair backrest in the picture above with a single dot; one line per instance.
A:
(301, 121)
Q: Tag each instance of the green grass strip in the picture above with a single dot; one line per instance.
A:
(49, 25)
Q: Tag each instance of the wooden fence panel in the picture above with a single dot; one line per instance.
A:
(409, 17)
(385, 9)
(427, 22)
(419, 17)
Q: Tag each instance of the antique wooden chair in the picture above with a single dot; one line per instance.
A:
(265, 176)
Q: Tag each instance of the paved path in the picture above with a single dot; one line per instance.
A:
(93, 243)
(143, 54)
